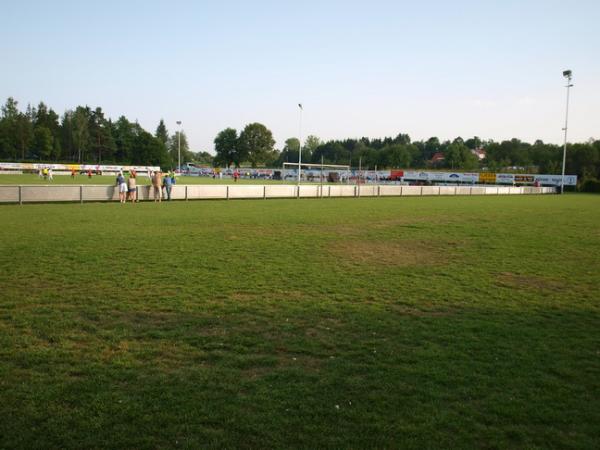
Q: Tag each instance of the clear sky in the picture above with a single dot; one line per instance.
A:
(361, 68)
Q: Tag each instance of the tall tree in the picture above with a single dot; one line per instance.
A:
(46, 119)
(66, 136)
(23, 133)
(310, 145)
(102, 145)
(161, 132)
(177, 140)
(256, 141)
(43, 143)
(81, 131)
(226, 148)
(150, 150)
(203, 158)
(459, 156)
(8, 129)
(289, 152)
(396, 156)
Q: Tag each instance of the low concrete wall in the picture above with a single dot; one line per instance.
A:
(87, 193)
(390, 190)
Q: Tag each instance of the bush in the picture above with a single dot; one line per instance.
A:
(590, 185)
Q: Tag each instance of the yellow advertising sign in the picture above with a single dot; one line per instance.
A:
(487, 177)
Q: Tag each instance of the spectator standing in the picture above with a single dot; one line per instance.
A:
(122, 186)
(132, 187)
(156, 185)
(168, 185)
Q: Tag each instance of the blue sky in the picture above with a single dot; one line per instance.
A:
(377, 68)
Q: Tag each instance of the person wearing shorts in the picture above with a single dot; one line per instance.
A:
(122, 187)
(132, 187)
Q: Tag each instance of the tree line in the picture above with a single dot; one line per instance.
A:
(514, 155)
(85, 135)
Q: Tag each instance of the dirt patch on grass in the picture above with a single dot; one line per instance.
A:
(244, 296)
(391, 253)
(358, 229)
(530, 282)
(285, 361)
(406, 310)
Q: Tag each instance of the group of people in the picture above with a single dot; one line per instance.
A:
(162, 181)
(127, 189)
(46, 173)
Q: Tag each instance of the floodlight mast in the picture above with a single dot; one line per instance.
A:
(568, 75)
(300, 144)
(179, 147)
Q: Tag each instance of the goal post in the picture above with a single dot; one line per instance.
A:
(322, 167)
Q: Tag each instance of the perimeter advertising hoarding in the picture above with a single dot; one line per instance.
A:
(462, 177)
(524, 178)
(396, 174)
(414, 175)
(549, 180)
(487, 177)
(505, 178)
(447, 177)
(96, 167)
(570, 180)
(436, 176)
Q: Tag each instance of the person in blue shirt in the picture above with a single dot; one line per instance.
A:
(168, 185)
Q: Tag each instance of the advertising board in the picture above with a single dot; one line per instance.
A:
(505, 178)
(69, 167)
(519, 178)
(555, 180)
(487, 177)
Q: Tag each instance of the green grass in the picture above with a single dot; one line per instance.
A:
(339, 323)
(142, 179)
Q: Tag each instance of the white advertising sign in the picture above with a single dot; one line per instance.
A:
(505, 178)
(570, 180)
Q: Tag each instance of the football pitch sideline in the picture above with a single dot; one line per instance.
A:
(453, 322)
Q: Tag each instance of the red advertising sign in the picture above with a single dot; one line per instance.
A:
(396, 174)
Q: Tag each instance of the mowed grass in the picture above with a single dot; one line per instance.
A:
(337, 323)
(111, 180)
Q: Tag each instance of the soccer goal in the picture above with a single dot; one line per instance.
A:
(318, 173)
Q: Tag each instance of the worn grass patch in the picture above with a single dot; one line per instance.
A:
(336, 323)
(398, 254)
(533, 282)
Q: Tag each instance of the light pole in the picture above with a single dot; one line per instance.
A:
(568, 75)
(300, 146)
(179, 147)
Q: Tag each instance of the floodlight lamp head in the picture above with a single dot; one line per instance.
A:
(567, 74)
(179, 122)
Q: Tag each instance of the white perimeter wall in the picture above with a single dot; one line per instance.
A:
(86, 193)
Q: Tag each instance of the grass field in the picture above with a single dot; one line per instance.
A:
(142, 179)
(340, 323)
